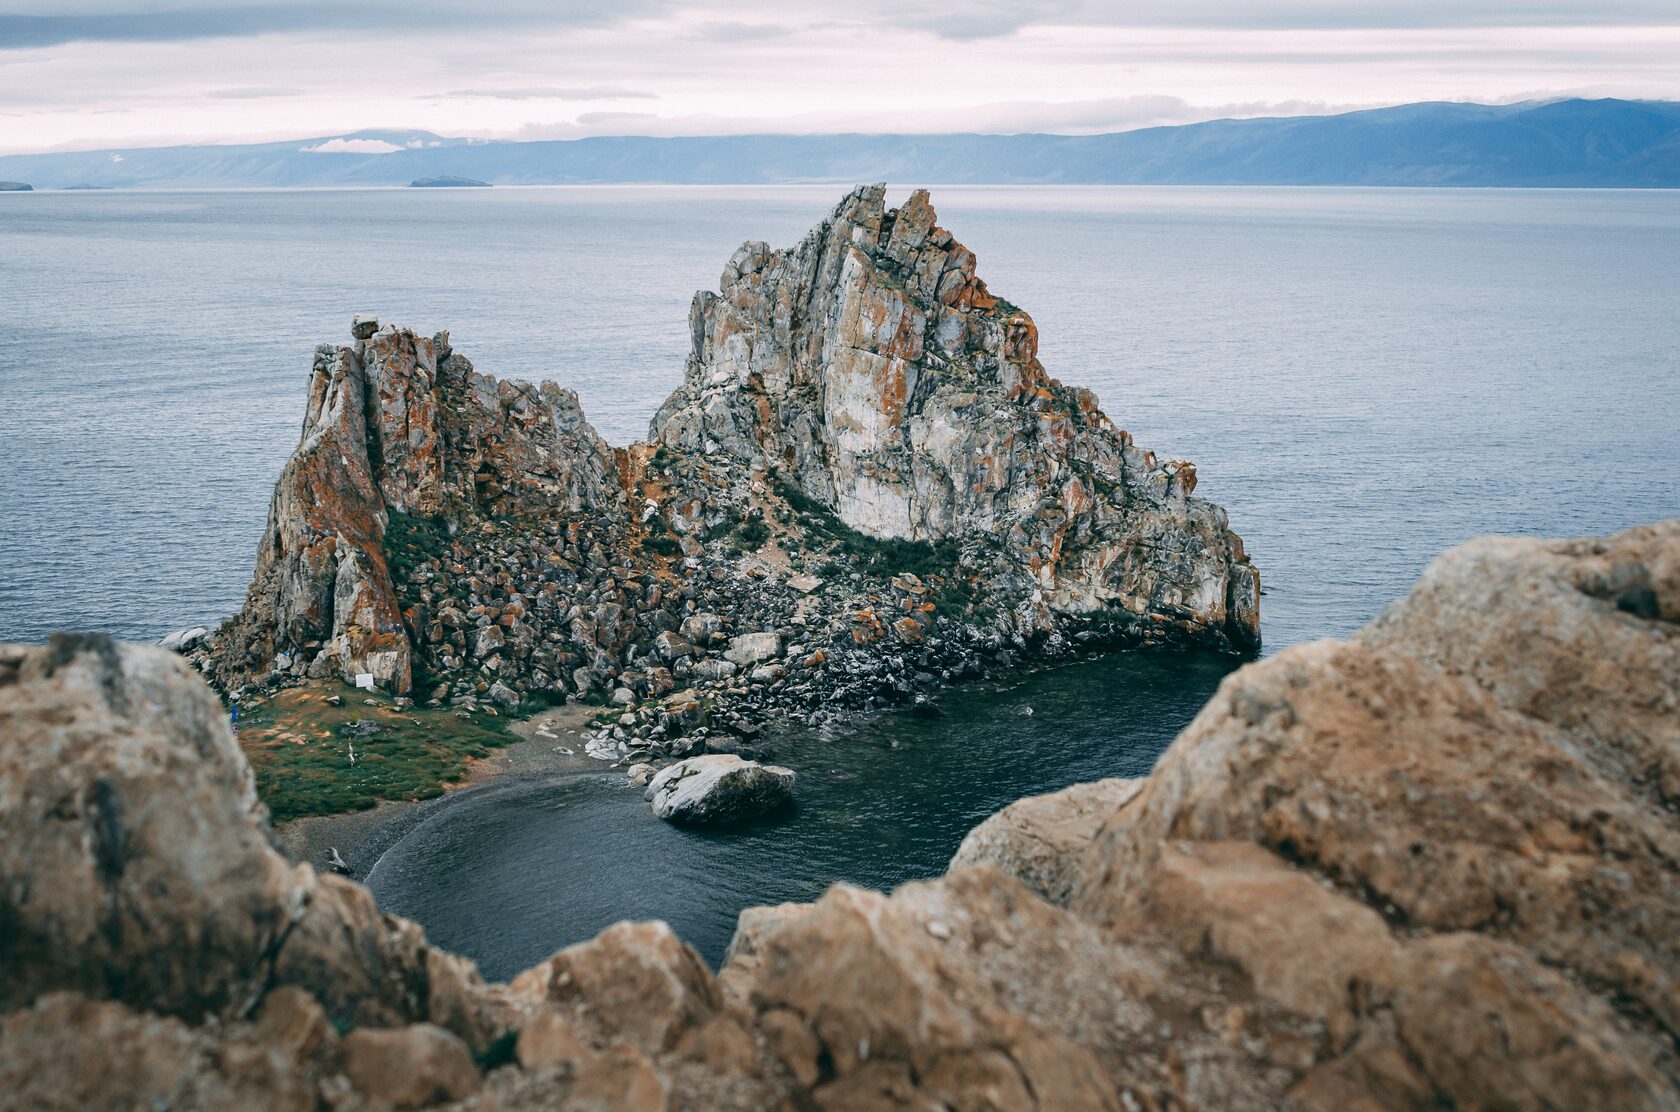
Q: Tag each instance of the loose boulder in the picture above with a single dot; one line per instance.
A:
(718, 788)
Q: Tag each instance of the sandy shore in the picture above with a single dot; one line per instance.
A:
(361, 837)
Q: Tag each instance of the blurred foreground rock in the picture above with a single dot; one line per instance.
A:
(1433, 866)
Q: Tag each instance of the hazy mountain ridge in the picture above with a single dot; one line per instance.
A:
(1575, 143)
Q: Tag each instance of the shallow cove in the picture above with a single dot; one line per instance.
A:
(507, 876)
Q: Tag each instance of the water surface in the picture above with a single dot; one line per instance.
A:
(513, 872)
(1363, 376)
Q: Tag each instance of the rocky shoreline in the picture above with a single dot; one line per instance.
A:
(867, 489)
(1436, 865)
(551, 746)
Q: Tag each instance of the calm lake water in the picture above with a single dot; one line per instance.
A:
(1363, 377)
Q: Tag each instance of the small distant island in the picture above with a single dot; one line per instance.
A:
(446, 183)
(16, 187)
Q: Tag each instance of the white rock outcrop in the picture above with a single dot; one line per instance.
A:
(877, 375)
(718, 787)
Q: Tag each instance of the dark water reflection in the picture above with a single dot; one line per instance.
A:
(509, 875)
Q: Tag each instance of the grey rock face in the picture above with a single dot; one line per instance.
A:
(400, 424)
(865, 459)
(874, 371)
(718, 788)
(135, 860)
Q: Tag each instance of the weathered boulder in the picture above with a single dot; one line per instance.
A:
(409, 1067)
(718, 787)
(184, 640)
(1040, 840)
(1437, 865)
(136, 863)
(752, 648)
(66, 1051)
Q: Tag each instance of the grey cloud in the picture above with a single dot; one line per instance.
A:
(731, 32)
(981, 19)
(557, 92)
(1106, 114)
(39, 23)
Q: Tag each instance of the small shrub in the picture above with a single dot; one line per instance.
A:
(752, 534)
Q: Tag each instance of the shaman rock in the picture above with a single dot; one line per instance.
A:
(859, 404)
(873, 370)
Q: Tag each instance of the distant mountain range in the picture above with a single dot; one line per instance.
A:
(1579, 143)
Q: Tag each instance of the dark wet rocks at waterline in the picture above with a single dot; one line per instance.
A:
(1339, 888)
(867, 488)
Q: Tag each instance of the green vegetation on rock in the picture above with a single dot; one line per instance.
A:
(876, 556)
(299, 744)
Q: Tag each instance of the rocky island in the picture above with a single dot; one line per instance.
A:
(867, 487)
(448, 183)
(16, 187)
(1434, 866)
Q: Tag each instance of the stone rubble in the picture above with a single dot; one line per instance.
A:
(1436, 865)
(867, 488)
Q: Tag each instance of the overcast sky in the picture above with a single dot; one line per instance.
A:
(92, 73)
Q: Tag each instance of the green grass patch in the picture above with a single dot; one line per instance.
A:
(299, 747)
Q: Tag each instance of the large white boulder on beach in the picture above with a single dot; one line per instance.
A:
(718, 787)
(185, 640)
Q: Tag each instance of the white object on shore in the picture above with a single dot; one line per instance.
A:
(718, 787)
(364, 680)
(604, 749)
(184, 640)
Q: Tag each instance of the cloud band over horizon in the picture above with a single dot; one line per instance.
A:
(90, 73)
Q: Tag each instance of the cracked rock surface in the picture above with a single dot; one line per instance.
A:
(1432, 866)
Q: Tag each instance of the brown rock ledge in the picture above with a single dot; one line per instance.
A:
(1432, 866)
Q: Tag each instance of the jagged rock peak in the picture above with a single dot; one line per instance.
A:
(398, 423)
(863, 386)
(874, 372)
